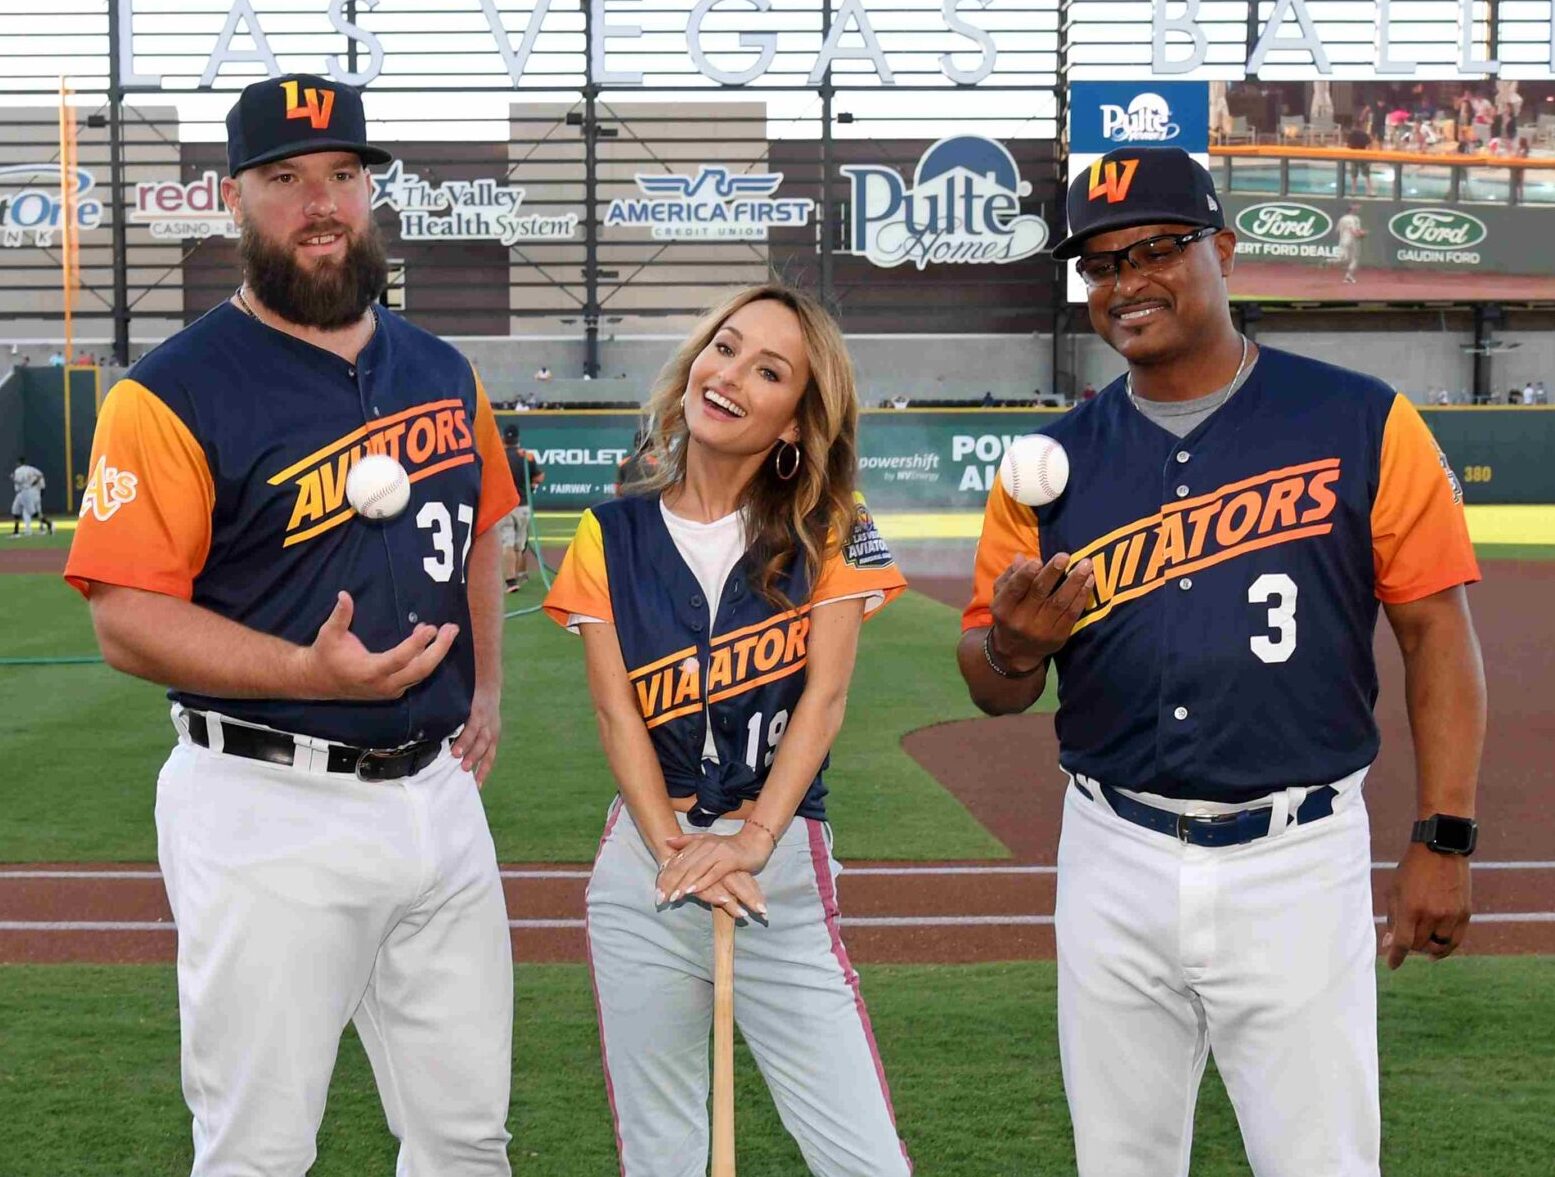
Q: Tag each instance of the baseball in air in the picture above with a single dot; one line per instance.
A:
(1035, 470)
(378, 487)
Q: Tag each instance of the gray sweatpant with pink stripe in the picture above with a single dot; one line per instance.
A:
(796, 1002)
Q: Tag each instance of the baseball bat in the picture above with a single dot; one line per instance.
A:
(723, 1043)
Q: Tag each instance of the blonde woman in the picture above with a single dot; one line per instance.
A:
(720, 608)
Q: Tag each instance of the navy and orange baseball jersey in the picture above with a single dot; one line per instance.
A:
(1227, 648)
(222, 482)
(744, 674)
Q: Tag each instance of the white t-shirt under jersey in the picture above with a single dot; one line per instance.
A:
(711, 550)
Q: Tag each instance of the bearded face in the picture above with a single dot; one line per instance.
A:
(325, 293)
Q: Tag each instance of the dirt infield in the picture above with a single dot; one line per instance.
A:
(18, 557)
(968, 912)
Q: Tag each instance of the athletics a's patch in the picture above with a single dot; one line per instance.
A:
(1452, 478)
(865, 548)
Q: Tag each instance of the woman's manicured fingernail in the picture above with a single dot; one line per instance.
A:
(658, 898)
(674, 896)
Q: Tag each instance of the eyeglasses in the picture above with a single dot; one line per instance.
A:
(1147, 256)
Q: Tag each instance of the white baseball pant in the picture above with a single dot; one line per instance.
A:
(796, 1002)
(1263, 953)
(306, 900)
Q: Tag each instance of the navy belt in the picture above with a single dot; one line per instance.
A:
(368, 764)
(1221, 829)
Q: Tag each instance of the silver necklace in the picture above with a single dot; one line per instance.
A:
(249, 311)
(1225, 393)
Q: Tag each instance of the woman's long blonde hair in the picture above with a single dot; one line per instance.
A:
(813, 509)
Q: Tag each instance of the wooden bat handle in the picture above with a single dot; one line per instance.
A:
(723, 1043)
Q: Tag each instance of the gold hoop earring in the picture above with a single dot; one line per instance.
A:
(778, 451)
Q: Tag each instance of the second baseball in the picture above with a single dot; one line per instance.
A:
(378, 487)
(1035, 470)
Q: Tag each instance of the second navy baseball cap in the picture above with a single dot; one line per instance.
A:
(1139, 186)
(299, 114)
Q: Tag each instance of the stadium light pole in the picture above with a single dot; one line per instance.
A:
(828, 277)
(121, 265)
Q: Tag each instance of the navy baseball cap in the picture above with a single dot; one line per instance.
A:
(296, 115)
(1139, 186)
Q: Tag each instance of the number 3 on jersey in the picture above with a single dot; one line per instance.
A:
(434, 517)
(1282, 616)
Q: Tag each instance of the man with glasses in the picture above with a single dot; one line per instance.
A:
(1207, 589)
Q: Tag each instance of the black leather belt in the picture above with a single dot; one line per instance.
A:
(1221, 829)
(368, 764)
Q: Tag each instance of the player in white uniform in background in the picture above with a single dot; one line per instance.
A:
(1350, 234)
(27, 503)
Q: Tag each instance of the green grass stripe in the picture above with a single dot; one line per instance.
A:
(83, 744)
(89, 1076)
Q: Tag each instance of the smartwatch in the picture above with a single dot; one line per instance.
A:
(1446, 834)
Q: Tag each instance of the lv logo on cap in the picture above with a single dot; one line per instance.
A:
(1108, 180)
(317, 109)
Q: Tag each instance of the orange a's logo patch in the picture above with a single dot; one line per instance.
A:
(1112, 179)
(108, 490)
(316, 105)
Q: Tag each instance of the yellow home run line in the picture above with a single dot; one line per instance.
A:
(1488, 524)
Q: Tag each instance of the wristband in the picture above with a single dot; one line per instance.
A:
(1000, 670)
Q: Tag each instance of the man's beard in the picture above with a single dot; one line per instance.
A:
(326, 296)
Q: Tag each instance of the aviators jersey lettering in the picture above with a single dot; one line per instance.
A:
(1227, 648)
(218, 476)
(743, 674)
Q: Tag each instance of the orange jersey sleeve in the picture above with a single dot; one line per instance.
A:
(863, 566)
(146, 513)
(498, 494)
(581, 586)
(1419, 536)
(1009, 530)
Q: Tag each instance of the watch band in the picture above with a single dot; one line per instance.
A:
(1445, 833)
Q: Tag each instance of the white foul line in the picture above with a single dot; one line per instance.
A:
(857, 871)
(868, 921)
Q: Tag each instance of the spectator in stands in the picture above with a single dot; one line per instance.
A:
(1359, 140)
(1442, 396)
(1540, 396)
(899, 401)
(57, 360)
(1528, 394)
(1514, 396)
(1088, 392)
(543, 372)
(1379, 122)
(513, 528)
(988, 401)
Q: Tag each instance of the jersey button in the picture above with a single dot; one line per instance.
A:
(412, 618)
(351, 372)
(1182, 492)
(697, 602)
(1185, 583)
(1180, 713)
(1182, 455)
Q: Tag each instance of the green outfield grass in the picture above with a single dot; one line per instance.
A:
(83, 743)
(89, 1077)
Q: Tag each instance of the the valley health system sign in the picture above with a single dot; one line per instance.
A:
(1104, 116)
